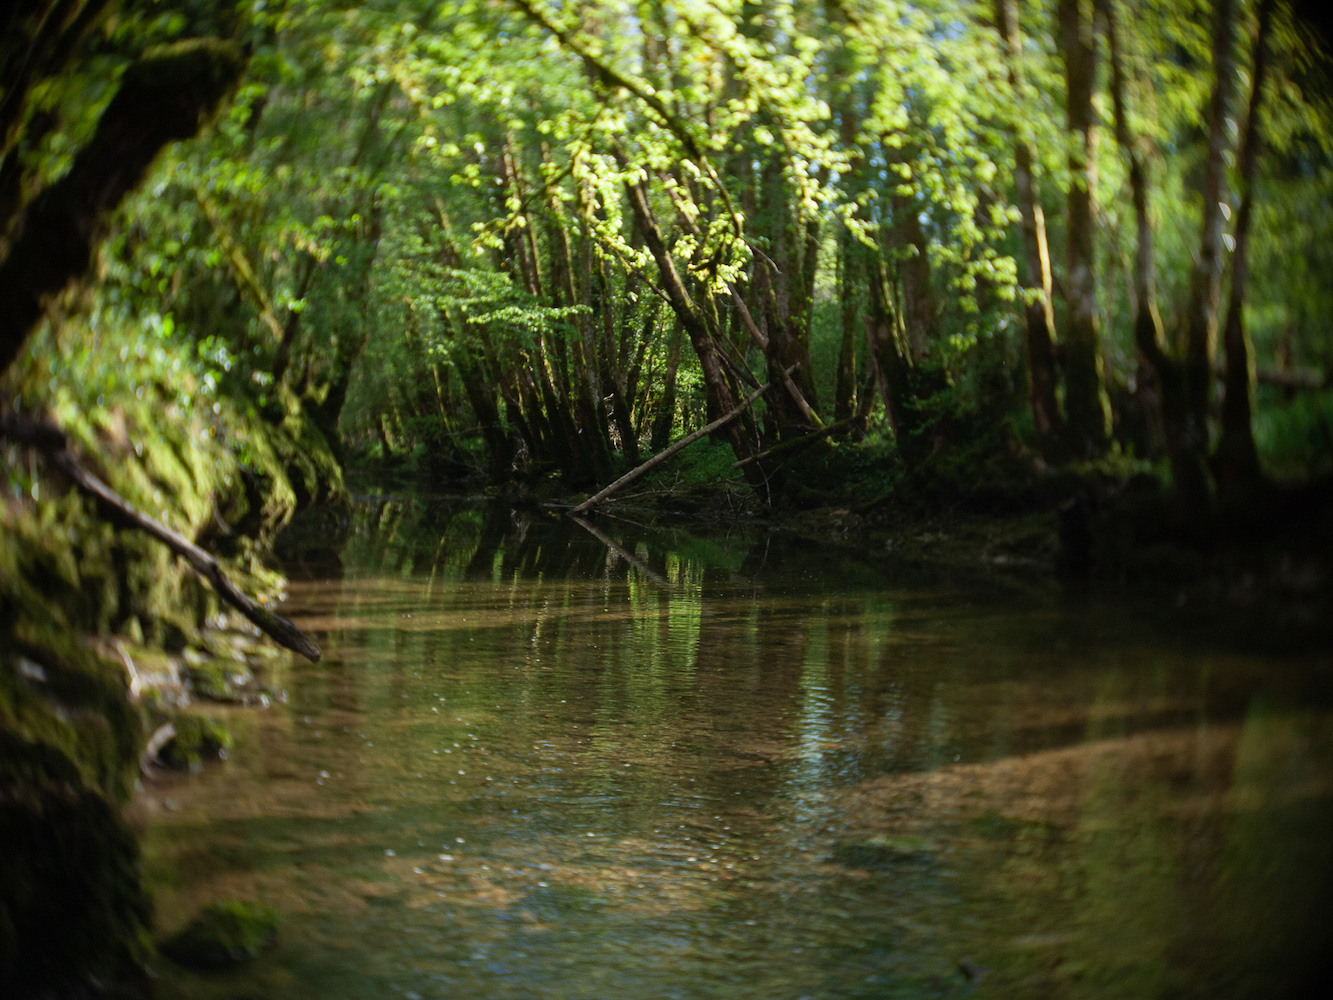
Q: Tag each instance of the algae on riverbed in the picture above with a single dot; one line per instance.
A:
(225, 933)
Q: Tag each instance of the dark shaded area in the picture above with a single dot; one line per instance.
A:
(164, 96)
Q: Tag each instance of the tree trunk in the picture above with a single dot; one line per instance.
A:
(1236, 462)
(1043, 377)
(1206, 277)
(778, 283)
(720, 399)
(1187, 471)
(612, 372)
(593, 438)
(1085, 400)
(161, 98)
(666, 407)
(499, 453)
(844, 394)
(892, 358)
(919, 311)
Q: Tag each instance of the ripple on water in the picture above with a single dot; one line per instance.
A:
(527, 769)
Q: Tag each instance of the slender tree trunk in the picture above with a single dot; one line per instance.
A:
(1187, 470)
(844, 394)
(1043, 376)
(666, 406)
(557, 424)
(718, 391)
(1187, 386)
(1085, 400)
(778, 283)
(499, 452)
(594, 439)
(804, 310)
(350, 342)
(1148, 333)
(634, 380)
(892, 359)
(842, 97)
(1206, 277)
(612, 377)
(1187, 420)
(919, 310)
(1236, 462)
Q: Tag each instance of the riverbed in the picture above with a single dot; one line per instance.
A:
(618, 760)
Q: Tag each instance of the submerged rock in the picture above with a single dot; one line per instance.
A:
(226, 933)
(881, 852)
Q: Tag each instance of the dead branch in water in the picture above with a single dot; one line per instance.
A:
(666, 453)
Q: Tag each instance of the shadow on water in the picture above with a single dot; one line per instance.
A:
(623, 760)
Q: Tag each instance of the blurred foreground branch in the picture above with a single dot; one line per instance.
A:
(50, 440)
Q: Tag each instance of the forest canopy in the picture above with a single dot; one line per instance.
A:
(511, 238)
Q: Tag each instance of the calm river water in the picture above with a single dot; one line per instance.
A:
(539, 763)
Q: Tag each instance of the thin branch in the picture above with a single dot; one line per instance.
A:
(644, 92)
(795, 444)
(240, 264)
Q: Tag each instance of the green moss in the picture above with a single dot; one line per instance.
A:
(198, 738)
(226, 933)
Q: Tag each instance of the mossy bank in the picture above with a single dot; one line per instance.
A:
(105, 638)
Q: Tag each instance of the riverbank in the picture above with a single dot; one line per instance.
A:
(1105, 527)
(111, 649)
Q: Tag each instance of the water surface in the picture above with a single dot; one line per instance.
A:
(540, 763)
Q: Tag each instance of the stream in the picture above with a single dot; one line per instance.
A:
(539, 763)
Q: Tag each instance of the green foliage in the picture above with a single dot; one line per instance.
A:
(1296, 437)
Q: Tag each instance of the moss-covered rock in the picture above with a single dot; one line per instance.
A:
(220, 678)
(197, 739)
(226, 933)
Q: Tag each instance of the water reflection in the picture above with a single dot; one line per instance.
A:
(537, 762)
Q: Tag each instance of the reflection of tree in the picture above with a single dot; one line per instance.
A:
(494, 527)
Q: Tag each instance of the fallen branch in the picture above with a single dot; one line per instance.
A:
(795, 444)
(51, 441)
(666, 453)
